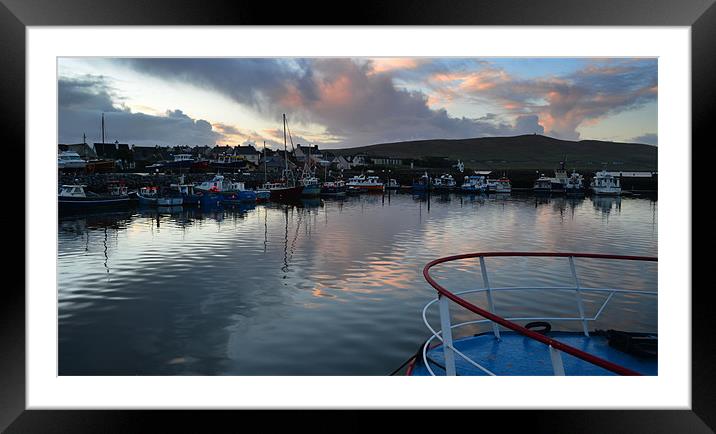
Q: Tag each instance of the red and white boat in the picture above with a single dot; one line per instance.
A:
(368, 183)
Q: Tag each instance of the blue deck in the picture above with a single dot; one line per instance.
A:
(515, 354)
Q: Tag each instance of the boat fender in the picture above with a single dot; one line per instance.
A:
(546, 327)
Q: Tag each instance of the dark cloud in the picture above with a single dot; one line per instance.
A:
(361, 101)
(81, 101)
(648, 138)
(346, 97)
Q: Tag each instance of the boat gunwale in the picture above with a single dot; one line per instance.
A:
(613, 367)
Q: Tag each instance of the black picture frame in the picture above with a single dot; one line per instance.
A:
(16, 15)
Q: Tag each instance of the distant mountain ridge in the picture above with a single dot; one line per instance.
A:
(520, 152)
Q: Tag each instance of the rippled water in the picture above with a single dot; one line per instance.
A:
(330, 287)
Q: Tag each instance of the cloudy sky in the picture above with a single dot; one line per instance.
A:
(345, 102)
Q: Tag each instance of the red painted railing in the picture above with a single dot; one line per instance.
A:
(613, 367)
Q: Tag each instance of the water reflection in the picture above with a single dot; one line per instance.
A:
(264, 289)
(607, 204)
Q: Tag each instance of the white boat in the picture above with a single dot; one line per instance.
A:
(362, 182)
(474, 184)
(444, 182)
(502, 185)
(70, 160)
(575, 183)
(606, 184)
(543, 184)
(148, 195)
(219, 185)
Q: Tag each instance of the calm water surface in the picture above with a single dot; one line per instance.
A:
(331, 287)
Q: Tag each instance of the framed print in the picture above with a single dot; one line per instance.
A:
(316, 215)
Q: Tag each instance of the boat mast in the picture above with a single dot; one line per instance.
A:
(265, 176)
(102, 127)
(285, 148)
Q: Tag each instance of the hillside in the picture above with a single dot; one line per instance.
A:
(521, 152)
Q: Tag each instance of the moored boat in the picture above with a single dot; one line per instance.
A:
(606, 184)
(444, 182)
(69, 160)
(74, 196)
(189, 197)
(501, 185)
(262, 194)
(575, 184)
(334, 188)
(148, 195)
(474, 184)
(543, 184)
(424, 183)
(287, 189)
(365, 183)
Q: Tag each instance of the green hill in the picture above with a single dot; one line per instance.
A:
(520, 152)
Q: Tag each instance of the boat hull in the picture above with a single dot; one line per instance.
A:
(367, 188)
(70, 203)
(170, 201)
(607, 191)
(312, 190)
(263, 195)
(245, 196)
(286, 193)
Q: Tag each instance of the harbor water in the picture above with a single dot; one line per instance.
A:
(327, 287)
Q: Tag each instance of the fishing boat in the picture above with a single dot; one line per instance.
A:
(263, 194)
(474, 184)
(527, 345)
(219, 189)
(311, 186)
(444, 182)
(74, 196)
(69, 160)
(189, 197)
(286, 189)
(604, 183)
(423, 183)
(334, 188)
(170, 199)
(365, 183)
(574, 184)
(501, 185)
(543, 184)
(148, 195)
(559, 181)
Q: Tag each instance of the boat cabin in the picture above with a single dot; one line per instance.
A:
(149, 191)
(73, 190)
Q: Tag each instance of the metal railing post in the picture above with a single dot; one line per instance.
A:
(490, 303)
(557, 364)
(579, 296)
(447, 335)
